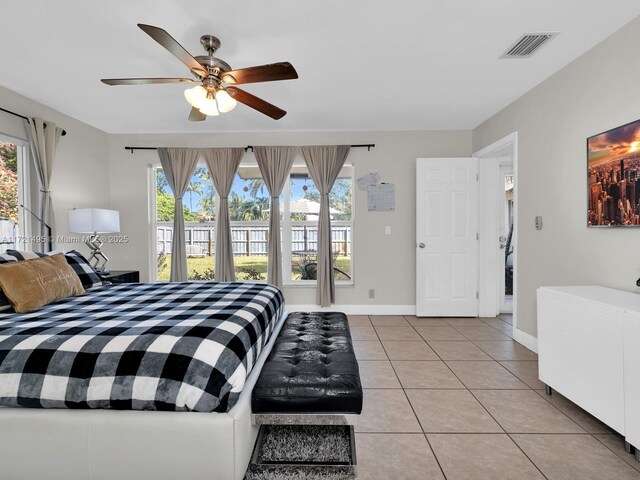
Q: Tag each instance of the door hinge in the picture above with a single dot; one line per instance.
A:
(477, 177)
(477, 236)
(477, 294)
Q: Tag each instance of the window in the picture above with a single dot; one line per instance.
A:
(300, 228)
(199, 204)
(13, 193)
(249, 215)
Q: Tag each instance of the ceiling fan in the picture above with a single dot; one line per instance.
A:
(217, 91)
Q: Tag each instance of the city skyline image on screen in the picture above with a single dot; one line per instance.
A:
(613, 177)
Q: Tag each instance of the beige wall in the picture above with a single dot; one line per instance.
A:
(384, 263)
(80, 174)
(598, 91)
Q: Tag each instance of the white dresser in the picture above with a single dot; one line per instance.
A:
(589, 351)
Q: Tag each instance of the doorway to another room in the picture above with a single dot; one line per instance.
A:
(505, 228)
(498, 165)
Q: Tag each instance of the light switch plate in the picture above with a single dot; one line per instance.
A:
(387, 230)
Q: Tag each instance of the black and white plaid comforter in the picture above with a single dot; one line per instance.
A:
(148, 346)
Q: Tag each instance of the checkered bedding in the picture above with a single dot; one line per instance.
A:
(147, 346)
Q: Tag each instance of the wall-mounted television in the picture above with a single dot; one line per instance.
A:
(613, 177)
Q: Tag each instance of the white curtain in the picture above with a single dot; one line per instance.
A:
(275, 164)
(178, 165)
(223, 164)
(324, 164)
(43, 139)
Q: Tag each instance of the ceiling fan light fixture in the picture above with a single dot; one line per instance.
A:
(196, 95)
(209, 107)
(214, 73)
(226, 102)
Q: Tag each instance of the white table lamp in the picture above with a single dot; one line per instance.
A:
(94, 221)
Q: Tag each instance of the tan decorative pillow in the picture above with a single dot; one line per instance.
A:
(32, 284)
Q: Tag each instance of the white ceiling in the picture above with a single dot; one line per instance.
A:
(363, 64)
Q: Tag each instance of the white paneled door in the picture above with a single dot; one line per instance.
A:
(447, 237)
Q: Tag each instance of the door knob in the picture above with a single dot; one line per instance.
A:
(421, 245)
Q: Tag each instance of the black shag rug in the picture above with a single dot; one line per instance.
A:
(288, 445)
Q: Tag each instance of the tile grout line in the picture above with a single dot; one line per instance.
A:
(433, 452)
(526, 456)
(485, 340)
(476, 433)
(616, 453)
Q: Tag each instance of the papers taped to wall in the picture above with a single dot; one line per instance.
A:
(381, 198)
(369, 179)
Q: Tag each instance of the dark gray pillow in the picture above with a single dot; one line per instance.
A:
(4, 301)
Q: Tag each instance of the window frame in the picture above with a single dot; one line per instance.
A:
(287, 230)
(23, 157)
(285, 225)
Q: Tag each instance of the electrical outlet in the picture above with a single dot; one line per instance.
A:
(372, 293)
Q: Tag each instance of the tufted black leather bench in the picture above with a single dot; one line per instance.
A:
(312, 368)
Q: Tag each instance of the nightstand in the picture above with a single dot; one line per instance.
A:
(122, 276)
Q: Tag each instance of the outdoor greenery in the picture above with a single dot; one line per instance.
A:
(247, 268)
(164, 208)
(339, 198)
(241, 208)
(250, 204)
(8, 182)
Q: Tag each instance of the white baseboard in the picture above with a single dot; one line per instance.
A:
(526, 339)
(357, 309)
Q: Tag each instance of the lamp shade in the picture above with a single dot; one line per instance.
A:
(225, 102)
(94, 220)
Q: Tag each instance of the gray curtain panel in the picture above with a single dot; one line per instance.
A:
(324, 164)
(223, 164)
(275, 164)
(178, 165)
(43, 140)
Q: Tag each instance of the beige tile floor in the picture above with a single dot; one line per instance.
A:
(458, 399)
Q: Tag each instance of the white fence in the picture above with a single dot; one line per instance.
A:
(250, 238)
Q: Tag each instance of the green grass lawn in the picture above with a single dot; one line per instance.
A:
(247, 268)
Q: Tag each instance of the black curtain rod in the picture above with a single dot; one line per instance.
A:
(368, 146)
(64, 132)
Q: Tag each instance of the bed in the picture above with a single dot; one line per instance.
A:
(109, 428)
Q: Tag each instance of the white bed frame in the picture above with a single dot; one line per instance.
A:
(109, 444)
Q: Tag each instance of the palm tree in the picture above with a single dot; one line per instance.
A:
(254, 210)
(193, 187)
(161, 182)
(236, 207)
(207, 201)
(263, 204)
(256, 185)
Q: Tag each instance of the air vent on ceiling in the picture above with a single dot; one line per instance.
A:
(528, 44)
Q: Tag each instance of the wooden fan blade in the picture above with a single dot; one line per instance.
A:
(167, 41)
(196, 115)
(262, 73)
(144, 81)
(256, 103)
